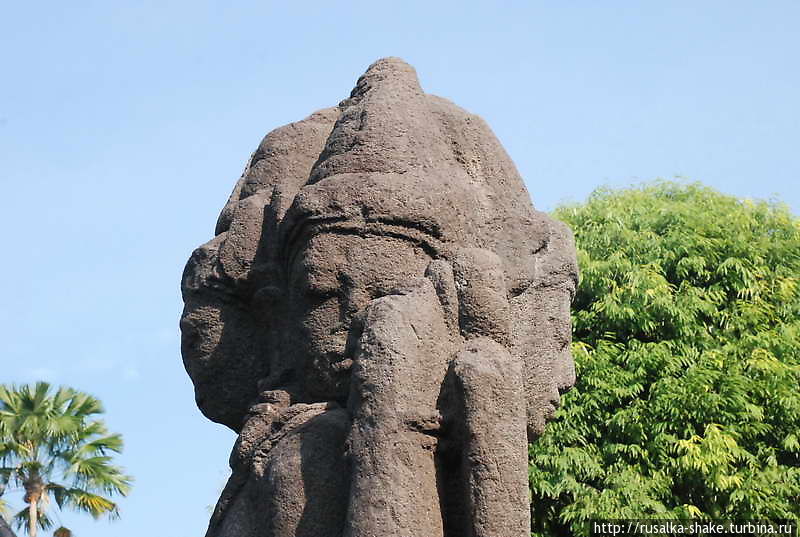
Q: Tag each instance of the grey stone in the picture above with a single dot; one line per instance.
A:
(383, 318)
(5, 529)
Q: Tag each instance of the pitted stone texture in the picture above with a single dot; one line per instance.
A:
(494, 462)
(5, 529)
(295, 482)
(228, 284)
(381, 316)
(401, 362)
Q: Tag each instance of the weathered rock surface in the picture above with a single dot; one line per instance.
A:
(383, 317)
(5, 529)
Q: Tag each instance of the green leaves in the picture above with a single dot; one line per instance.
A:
(55, 438)
(687, 346)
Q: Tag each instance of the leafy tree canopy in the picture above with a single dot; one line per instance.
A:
(687, 346)
(54, 448)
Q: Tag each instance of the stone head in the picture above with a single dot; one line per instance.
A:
(338, 209)
(331, 278)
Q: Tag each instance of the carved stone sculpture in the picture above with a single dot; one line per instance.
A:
(5, 529)
(383, 318)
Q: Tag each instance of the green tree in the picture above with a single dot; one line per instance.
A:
(53, 447)
(687, 346)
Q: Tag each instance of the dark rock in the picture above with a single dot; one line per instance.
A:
(5, 529)
(382, 316)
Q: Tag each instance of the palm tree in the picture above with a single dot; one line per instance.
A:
(53, 447)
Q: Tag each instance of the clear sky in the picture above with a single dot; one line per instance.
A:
(124, 125)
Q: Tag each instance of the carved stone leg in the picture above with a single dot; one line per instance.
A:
(399, 368)
(494, 450)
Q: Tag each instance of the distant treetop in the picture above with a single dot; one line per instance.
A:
(687, 343)
(53, 447)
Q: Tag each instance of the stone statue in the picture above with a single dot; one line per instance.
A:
(5, 529)
(383, 318)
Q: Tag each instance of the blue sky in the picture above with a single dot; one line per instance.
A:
(124, 125)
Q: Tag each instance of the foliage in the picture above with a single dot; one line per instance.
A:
(687, 345)
(53, 447)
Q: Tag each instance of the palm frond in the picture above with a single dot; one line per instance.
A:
(55, 437)
(5, 509)
(93, 504)
(96, 447)
(97, 473)
(58, 492)
(20, 520)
